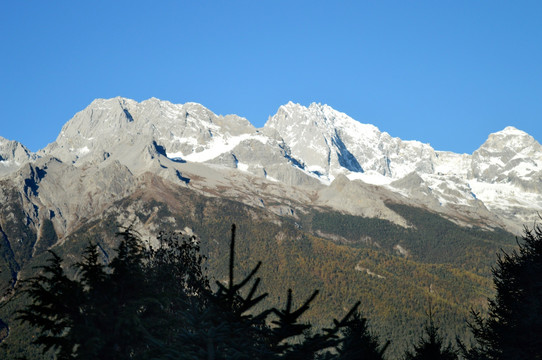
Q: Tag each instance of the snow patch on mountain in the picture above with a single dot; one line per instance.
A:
(505, 196)
(217, 146)
(371, 177)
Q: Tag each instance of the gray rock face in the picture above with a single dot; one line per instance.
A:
(330, 142)
(12, 155)
(67, 193)
(119, 128)
(108, 126)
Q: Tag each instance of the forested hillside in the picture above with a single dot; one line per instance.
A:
(442, 263)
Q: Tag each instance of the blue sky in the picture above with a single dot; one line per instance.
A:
(446, 73)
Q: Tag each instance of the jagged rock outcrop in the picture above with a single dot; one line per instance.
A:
(12, 155)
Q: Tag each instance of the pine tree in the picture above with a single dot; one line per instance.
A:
(513, 327)
(54, 308)
(99, 315)
(431, 346)
(88, 333)
(232, 330)
(287, 326)
(175, 272)
(358, 343)
(157, 304)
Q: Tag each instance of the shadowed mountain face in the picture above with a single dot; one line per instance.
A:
(311, 184)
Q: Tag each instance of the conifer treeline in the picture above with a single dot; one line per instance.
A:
(157, 303)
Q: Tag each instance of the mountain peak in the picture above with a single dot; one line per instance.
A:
(510, 130)
(318, 106)
(510, 139)
(315, 115)
(111, 102)
(12, 155)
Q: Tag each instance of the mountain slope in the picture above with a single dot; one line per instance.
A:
(347, 257)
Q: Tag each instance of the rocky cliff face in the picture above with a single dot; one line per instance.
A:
(330, 142)
(111, 126)
(12, 155)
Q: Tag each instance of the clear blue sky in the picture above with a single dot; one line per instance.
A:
(446, 73)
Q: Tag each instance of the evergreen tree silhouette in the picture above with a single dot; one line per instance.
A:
(54, 307)
(157, 304)
(287, 325)
(101, 314)
(358, 343)
(430, 345)
(226, 327)
(513, 327)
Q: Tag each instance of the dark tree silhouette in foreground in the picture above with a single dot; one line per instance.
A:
(54, 307)
(431, 346)
(358, 342)
(513, 327)
(157, 304)
(101, 315)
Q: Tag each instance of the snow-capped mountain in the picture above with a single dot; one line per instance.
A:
(108, 125)
(308, 148)
(504, 174)
(355, 206)
(135, 133)
(330, 142)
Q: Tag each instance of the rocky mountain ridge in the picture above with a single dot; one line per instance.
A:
(306, 147)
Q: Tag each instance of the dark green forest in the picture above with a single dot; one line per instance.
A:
(158, 303)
